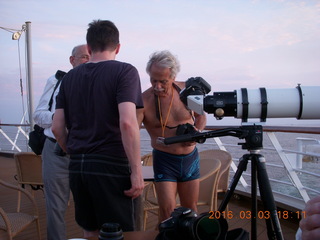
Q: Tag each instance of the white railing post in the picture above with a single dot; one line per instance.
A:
(29, 72)
(303, 142)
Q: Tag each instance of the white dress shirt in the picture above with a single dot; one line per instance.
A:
(42, 116)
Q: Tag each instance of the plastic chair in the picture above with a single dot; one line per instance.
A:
(223, 177)
(15, 222)
(29, 171)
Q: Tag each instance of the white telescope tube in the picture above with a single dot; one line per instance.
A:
(302, 102)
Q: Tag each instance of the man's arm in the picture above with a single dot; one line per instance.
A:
(59, 128)
(200, 121)
(130, 135)
(140, 116)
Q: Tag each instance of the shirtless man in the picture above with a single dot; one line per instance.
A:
(176, 166)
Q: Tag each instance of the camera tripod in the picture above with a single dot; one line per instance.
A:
(253, 136)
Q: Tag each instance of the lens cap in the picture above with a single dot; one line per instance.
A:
(111, 231)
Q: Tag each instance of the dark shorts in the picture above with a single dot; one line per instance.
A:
(97, 184)
(175, 168)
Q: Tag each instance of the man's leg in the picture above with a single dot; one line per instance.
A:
(166, 194)
(189, 194)
(57, 191)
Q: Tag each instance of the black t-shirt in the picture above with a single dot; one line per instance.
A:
(89, 95)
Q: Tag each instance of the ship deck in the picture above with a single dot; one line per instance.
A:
(237, 204)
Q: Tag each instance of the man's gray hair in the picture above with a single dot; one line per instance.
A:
(164, 59)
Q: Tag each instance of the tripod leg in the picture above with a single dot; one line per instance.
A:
(254, 205)
(267, 198)
(241, 167)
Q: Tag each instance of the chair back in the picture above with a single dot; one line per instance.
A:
(29, 168)
(209, 170)
(147, 159)
(225, 159)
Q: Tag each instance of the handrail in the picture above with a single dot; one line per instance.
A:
(14, 125)
(290, 129)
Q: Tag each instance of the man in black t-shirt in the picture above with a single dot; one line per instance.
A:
(95, 123)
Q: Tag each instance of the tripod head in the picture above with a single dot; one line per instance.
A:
(252, 134)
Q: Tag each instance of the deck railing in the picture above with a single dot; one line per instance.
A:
(292, 158)
(14, 138)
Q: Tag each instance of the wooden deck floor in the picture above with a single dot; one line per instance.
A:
(9, 201)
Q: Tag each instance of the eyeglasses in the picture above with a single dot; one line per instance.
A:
(86, 57)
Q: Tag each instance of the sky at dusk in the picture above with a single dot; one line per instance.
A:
(232, 44)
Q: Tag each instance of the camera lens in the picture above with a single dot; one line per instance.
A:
(206, 228)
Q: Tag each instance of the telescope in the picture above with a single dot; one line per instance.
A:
(301, 102)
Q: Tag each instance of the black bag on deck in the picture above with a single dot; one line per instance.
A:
(37, 137)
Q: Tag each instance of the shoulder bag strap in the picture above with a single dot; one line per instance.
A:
(59, 75)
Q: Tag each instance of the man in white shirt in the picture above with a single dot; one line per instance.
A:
(55, 168)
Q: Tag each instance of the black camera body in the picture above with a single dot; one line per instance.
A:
(194, 86)
(185, 129)
(184, 224)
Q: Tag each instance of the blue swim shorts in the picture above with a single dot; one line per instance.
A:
(175, 168)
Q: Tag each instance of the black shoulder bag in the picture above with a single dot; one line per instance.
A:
(37, 137)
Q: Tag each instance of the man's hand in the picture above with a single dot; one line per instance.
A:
(310, 225)
(137, 185)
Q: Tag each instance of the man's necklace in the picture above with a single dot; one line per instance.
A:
(163, 124)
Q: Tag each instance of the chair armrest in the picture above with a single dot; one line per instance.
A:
(23, 191)
(5, 219)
